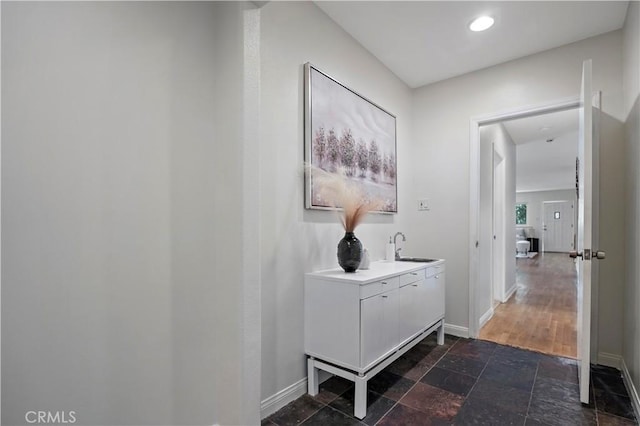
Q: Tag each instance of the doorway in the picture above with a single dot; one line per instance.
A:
(529, 306)
(535, 302)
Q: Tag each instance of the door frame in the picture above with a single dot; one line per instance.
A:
(474, 187)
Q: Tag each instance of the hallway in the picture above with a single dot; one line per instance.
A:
(541, 315)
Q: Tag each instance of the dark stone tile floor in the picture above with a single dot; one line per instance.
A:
(469, 382)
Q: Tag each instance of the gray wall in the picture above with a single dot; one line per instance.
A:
(122, 176)
(631, 84)
(506, 236)
(294, 240)
(440, 151)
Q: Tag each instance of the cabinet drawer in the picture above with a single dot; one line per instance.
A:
(434, 270)
(379, 287)
(411, 277)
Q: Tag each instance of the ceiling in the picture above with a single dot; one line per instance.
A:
(542, 165)
(426, 41)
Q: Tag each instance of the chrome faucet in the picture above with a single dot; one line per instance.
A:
(396, 244)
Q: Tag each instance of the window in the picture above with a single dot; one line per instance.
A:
(521, 214)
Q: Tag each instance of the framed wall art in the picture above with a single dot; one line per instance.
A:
(348, 134)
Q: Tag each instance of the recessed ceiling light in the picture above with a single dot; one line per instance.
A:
(482, 23)
(545, 129)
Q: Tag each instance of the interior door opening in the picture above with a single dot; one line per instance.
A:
(532, 196)
(525, 225)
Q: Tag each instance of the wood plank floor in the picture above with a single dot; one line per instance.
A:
(541, 315)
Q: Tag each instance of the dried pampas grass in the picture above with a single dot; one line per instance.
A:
(345, 195)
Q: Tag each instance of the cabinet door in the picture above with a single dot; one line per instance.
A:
(434, 298)
(379, 326)
(412, 313)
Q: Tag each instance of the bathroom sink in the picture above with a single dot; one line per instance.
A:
(416, 259)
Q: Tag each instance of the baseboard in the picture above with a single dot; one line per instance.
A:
(485, 318)
(510, 292)
(456, 330)
(610, 360)
(631, 389)
(278, 400)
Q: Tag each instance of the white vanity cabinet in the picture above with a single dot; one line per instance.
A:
(358, 323)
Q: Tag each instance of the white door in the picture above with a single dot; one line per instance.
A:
(586, 246)
(558, 226)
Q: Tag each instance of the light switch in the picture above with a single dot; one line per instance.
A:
(423, 204)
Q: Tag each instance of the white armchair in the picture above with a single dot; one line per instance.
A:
(522, 244)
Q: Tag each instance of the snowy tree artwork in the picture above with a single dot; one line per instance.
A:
(348, 134)
(333, 151)
(362, 158)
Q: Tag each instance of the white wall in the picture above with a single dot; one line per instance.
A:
(495, 137)
(440, 153)
(535, 212)
(121, 181)
(543, 166)
(294, 240)
(505, 147)
(631, 84)
(483, 301)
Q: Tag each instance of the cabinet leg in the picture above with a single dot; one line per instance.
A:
(441, 333)
(312, 377)
(360, 403)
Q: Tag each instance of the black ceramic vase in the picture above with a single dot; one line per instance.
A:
(349, 252)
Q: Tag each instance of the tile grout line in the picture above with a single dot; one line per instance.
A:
(385, 413)
(409, 390)
(309, 416)
(592, 388)
(595, 403)
(345, 414)
(314, 413)
(478, 378)
(535, 379)
(485, 367)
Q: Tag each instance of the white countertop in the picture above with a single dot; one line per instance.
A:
(377, 271)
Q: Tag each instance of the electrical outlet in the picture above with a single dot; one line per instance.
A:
(423, 204)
